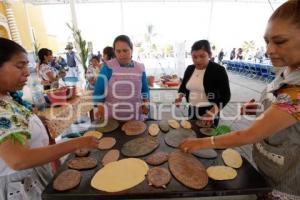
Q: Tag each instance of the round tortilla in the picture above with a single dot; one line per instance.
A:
(207, 131)
(111, 156)
(221, 173)
(140, 146)
(186, 124)
(106, 143)
(158, 177)
(176, 136)
(120, 175)
(164, 126)
(157, 158)
(134, 127)
(153, 129)
(80, 163)
(96, 134)
(110, 126)
(232, 158)
(67, 180)
(206, 153)
(173, 123)
(188, 170)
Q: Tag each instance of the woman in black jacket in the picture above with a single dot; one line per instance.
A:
(205, 85)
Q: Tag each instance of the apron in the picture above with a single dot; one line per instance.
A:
(277, 156)
(124, 96)
(28, 184)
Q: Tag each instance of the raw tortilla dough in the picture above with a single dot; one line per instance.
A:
(232, 158)
(186, 124)
(96, 134)
(173, 123)
(153, 130)
(221, 173)
(120, 175)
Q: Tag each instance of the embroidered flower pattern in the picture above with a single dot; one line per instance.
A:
(14, 120)
(5, 123)
(288, 99)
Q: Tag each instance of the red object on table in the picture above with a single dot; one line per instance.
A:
(171, 84)
(58, 96)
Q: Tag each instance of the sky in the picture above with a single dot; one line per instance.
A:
(178, 22)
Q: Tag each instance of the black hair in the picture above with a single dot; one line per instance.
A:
(42, 53)
(96, 58)
(8, 49)
(202, 44)
(109, 51)
(123, 38)
(290, 10)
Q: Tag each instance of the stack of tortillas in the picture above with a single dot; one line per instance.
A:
(173, 123)
(120, 175)
(95, 134)
(134, 127)
(232, 159)
(153, 130)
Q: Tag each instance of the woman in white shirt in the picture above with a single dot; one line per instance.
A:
(205, 85)
(48, 74)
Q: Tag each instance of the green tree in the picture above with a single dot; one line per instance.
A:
(248, 46)
(81, 45)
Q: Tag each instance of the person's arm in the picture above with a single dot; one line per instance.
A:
(51, 76)
(101, 84)
(19, 157)
(271, 122)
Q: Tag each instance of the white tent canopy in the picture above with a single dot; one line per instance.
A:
(43, 2)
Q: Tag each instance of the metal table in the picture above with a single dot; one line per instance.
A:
(248, 181)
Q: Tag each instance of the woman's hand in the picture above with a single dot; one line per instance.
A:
(145, 107)
(249, 108)
(190, 145)
(207, 119)
(178, 101)
(87, 142)
(100, 112)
